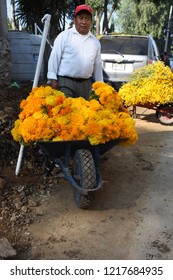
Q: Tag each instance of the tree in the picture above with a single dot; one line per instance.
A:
(143, 17)
(31, 12)
(5, 61)
(107, 18)
(105, 9)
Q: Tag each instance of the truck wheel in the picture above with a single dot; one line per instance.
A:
(84, 173)
(165, 114)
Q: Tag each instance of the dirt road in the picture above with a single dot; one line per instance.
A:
(131, 217)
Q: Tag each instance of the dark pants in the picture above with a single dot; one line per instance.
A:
(75, 87)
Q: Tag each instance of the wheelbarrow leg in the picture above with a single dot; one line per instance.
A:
(132, 110)
(48, 167)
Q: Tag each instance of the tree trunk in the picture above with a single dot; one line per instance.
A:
(13, 20)
(105, 20)
(5, 60)
(97, 24)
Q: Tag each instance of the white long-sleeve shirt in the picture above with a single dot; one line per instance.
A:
(75, 55)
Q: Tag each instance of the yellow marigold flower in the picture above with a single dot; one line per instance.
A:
(23, 104)
(50, 100)
(32, 129)
(31, 107)
(57, 138)
(152, 84)
(94, 105)
(97, 85)
(55, 98)
(40, 115)
(42, 92)
(127, 128)
(15, 131)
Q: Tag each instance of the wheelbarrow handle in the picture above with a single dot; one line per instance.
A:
(46, 20)
(19, 160)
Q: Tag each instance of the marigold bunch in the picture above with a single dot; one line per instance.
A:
(47, 115)
(152, 84)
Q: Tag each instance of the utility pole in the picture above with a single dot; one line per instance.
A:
(168, 30)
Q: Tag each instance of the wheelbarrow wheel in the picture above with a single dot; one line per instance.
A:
(84, 173)
(164, 114)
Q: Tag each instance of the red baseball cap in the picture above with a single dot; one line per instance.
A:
(83, 8)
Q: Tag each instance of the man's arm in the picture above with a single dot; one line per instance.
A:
(98, 70)
(53, 63)
(54, 84)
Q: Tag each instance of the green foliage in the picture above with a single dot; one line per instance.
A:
(126, 16)
(104, 9)
(133, 16)
(143, 17)
(96, 5)
(31, 12)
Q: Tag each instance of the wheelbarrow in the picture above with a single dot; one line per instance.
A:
(164, 113)
(78, 161)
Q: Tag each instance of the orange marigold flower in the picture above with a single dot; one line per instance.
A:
(47, 114)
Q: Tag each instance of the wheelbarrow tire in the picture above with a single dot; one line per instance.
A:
(165, 114)
(84, 173)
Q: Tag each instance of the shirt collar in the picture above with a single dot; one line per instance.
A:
(75, 31)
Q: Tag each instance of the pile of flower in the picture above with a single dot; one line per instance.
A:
(152, 84)
(47, 115)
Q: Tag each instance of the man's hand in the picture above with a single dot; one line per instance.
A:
(54, 84)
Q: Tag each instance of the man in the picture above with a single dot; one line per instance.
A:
(75, 58)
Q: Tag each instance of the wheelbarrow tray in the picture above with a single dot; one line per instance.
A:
(164, 112)
(58, 149)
